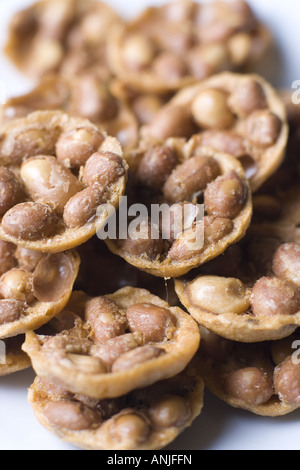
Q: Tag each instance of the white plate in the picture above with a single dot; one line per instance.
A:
(219, 427)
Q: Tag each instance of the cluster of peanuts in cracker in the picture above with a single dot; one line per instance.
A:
(165, 108)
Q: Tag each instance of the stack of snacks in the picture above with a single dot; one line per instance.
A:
(118, 343)
(68, 37)
(172, 46)
(163, 110)
(102, 356)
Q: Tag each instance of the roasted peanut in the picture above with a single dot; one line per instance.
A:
(273, 296)
(105, 318)
(76, 62)
(17, 284)
(239, 48)
(192, 242)
(211, 111)
(286, 262)
(216, 228)
(24, 21)
(47, 55)
(190, 178)
(136, 357)
(170, 411)
(155, 167)
(10, 190)
(129, 428)
(48, 181)
(206, 59)
(11, 310)
(109, 351)
(226, 196)
(29, 143)
(66, 344)
(137, 52)
(171, 121)
(224, 141)
(154, 323)
(180, 217)
(103, 169)
(287, 381)
(74, 148)
(251, 386)
(142, 244)
(71, 415)
(93, 100)
(219, 20)
(82, 208)
(263, 128)
(93, 25)
(169, 67)
(219, 295)
(188, 245)
(29, 221)
(63, 14)
(248, 97)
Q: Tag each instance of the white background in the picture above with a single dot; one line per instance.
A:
(219, 427)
